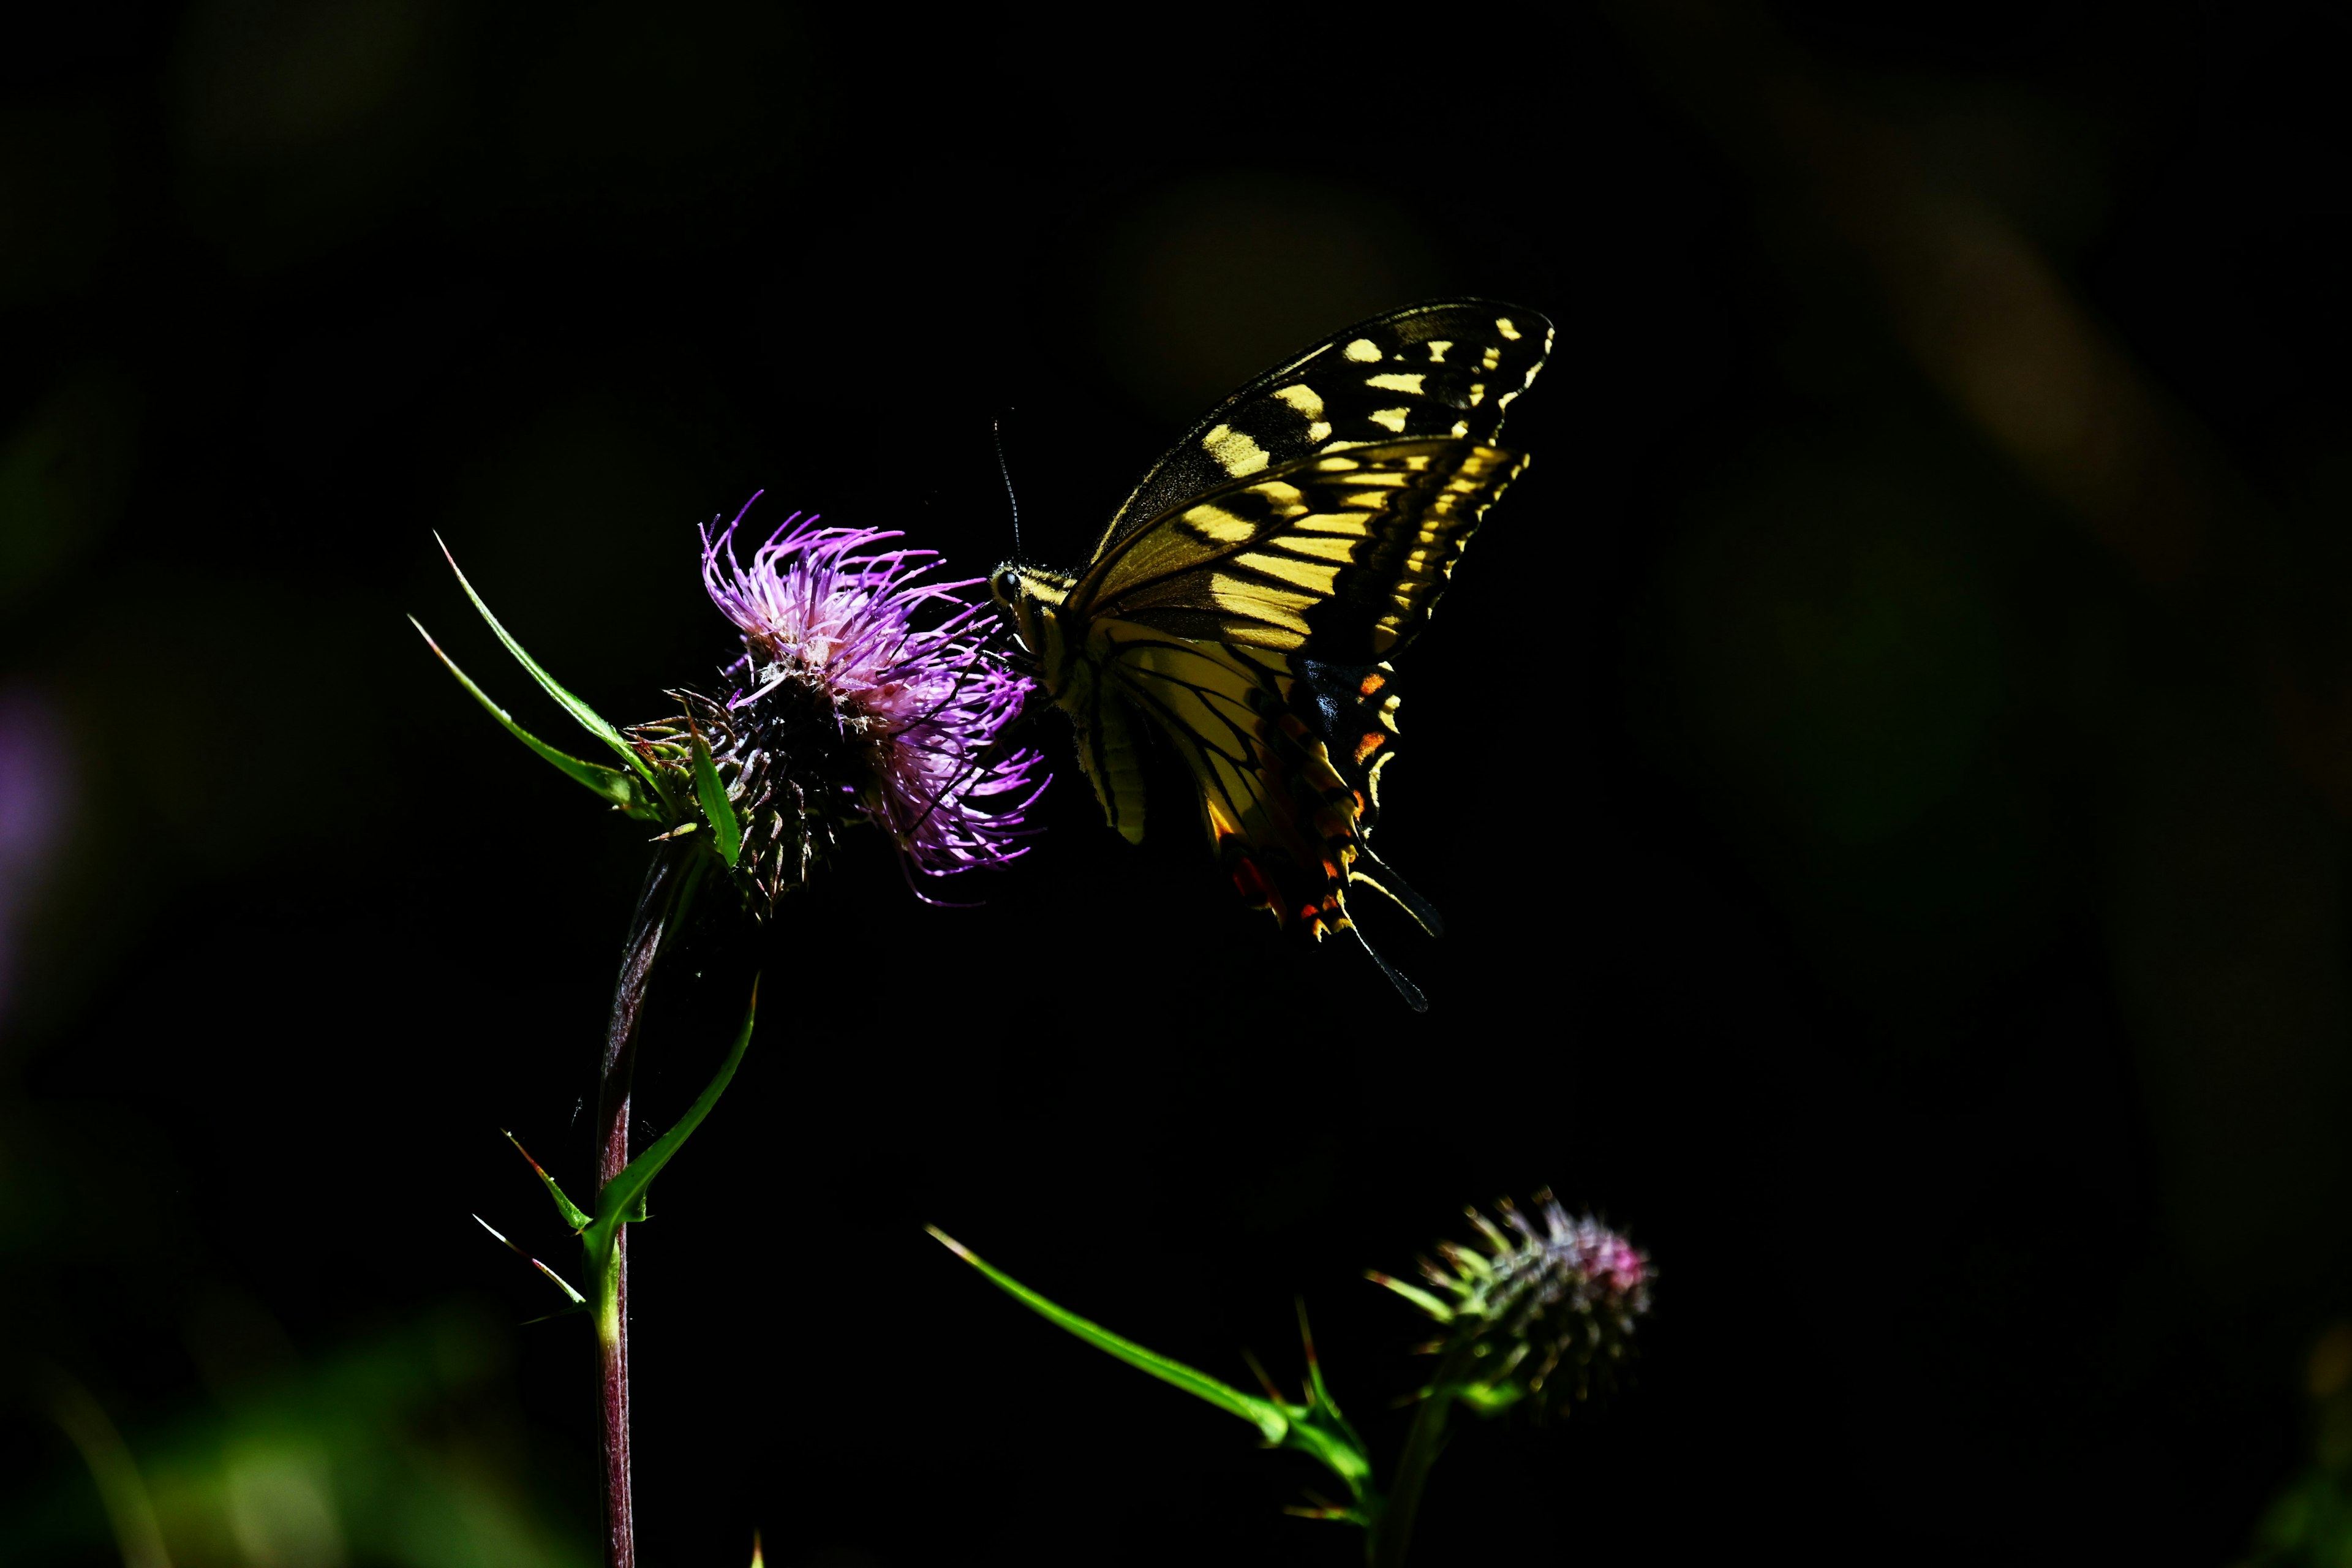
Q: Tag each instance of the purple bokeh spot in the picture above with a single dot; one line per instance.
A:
(36, 780)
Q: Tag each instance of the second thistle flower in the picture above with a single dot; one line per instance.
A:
(844, 709)
(1550, 1304)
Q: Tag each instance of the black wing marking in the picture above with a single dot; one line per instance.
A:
(1341, 556)
(1447, 369)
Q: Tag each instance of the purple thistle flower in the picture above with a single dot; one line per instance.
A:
(846, 710)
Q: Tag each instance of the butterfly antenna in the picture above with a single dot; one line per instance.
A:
(997, 426)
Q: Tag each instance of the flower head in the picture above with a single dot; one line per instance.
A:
(1556, 1298)
(844, 709)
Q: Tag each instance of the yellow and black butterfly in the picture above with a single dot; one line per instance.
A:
(1249, 596)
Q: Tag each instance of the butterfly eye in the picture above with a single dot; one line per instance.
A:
(1006, 583)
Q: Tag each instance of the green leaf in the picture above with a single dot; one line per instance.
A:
(563, 1205)
(1315, 1428)
(588, 717)
(713, 793)
(609, 783)
(1321, 1430)
(623, 1196)
(1271, 1420)
(1318, 1391)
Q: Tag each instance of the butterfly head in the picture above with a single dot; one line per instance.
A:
(1028, 598)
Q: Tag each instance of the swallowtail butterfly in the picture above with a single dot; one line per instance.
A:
(1249, 597)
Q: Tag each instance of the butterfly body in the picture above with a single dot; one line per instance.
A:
(1247, 598)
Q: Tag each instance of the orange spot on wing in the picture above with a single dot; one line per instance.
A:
(1369, 744)
(1372, 683)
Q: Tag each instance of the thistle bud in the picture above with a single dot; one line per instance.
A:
(1548, 1304)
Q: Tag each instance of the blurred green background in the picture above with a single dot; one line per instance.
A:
(1884, 769)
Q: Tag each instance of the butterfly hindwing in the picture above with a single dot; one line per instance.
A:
(1287, 753)
(1353, 708)
(1283, 820)
(1446, 369)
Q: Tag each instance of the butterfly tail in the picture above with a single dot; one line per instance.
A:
(1374, 872)
(1405, 988)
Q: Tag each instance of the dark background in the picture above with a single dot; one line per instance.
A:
(1884, 770)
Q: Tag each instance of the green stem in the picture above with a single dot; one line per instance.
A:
(1392, 1534)
(607, 1296)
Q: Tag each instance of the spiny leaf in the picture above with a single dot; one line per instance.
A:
(563, 1205)
(623, 1196)
(1319, 1393)
(713, 793)
(611, 784)
(588, 717)
(558, 1279)
(1268, 1418)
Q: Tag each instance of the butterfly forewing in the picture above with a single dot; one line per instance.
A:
(1341, 557)
(1446, 369)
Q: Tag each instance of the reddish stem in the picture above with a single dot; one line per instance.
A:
(658, 905)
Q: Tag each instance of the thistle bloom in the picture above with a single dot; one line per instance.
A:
(844, 709)
(1558, 1298)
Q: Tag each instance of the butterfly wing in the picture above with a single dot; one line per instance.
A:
(1247, 595)
(1251, 626)
(1447, 369)
(1339, 557)
(1284, 821)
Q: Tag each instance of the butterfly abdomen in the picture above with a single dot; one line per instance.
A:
(1107, 752)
